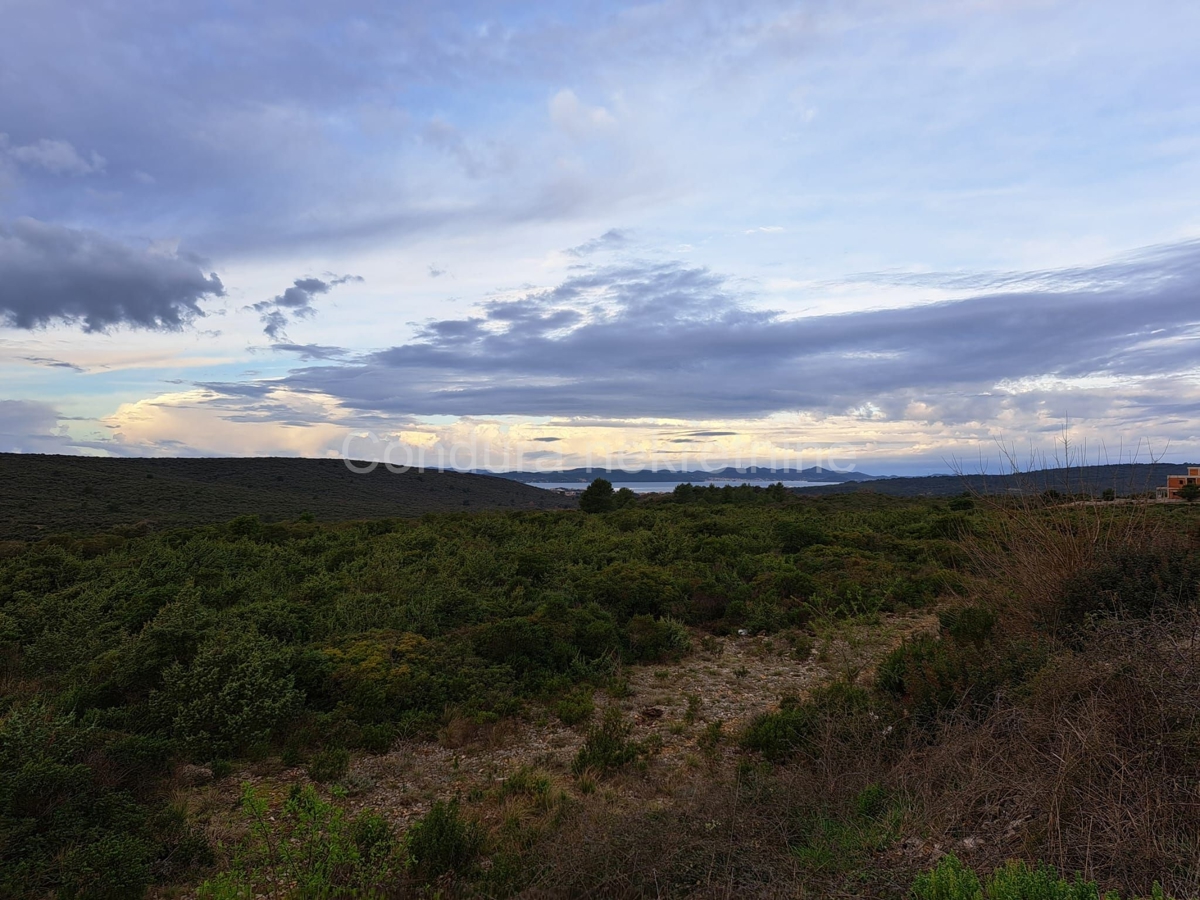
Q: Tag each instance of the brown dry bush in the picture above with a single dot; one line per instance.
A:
(1095, 770)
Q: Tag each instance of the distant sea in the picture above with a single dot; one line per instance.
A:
(665, 487)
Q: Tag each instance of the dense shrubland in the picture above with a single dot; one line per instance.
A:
(127, 658)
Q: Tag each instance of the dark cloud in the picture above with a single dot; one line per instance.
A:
(547, 440)
(50, 363)
(296, 302)
(610, 240)
(52, 273)
(312, 351)
(669, 340)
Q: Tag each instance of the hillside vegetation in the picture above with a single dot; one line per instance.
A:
(1123, 480)
(719, 692)
(47, 494)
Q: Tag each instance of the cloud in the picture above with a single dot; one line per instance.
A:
(610, 240)
(53, 273)
(576, 118)
(296, 302)
(55, 157)
(52, 363)
(311, 351)
(668, 340)
(29, 426)
(435, 272)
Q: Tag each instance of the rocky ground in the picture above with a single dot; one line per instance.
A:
(673, 706)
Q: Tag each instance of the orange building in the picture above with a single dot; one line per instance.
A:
(1175, 482)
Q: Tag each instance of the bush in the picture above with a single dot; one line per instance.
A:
(330, 764)
(655, 640)
(799, 727)
(1136, 582)
(234, 693)
(442, 841)
(377, 738)
(578, 706)
(961, 671)
(309, 845)
(62, 826)
(114, 867)
(607, 745)
(951, 880)
(796, 536)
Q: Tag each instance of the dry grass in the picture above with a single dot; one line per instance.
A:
(1094, 771)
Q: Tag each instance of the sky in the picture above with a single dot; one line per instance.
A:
(895, 236)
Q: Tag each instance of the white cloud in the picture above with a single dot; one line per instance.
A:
(574, 117)
(56, 157)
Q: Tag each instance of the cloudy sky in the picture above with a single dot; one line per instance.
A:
(675, 232)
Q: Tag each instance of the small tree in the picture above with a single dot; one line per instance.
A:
(598, 497)
(1190, 493)
(624, 497)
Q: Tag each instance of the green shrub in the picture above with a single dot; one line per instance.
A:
(113, 867)
(968, 623)
(950, 880)
(656, 640)
(796, 726)
(526, 782)
(442, 841)
(607, 745)
(330, 764)
(307, 844)
(232, 695)
(377, 738)
(62, 825)
(578, 706)
(1016, 881)
(931, 675)
(373, 839)
(796, 536)
(1134, 582)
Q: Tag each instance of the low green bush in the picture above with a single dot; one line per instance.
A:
(657, 640)
(797, 726)
(607, 745)
(576, 707)
(307, 844)
(330, 764)
(960, 671)
(442, 841)
(377, 738)
(1135, 582)
(951, 880)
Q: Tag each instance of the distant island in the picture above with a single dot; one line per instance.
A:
(585, 476)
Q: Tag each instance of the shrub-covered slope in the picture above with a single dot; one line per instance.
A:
(46, 494)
